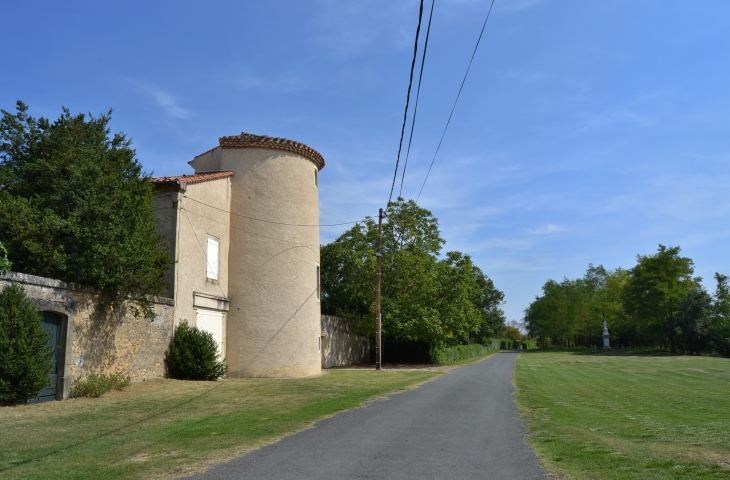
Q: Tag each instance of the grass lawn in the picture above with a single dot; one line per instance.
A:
(627, 416)
(167, 428)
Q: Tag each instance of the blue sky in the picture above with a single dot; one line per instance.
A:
(587, 132)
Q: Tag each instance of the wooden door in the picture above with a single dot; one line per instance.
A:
(51, 323)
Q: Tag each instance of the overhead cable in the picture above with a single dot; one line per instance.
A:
(457, 99)
(269, 221)
(418, 94)
(408, 99)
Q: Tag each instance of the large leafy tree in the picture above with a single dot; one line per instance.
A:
(441, 301)
(719, 321)
(75, 205)
(655, 290)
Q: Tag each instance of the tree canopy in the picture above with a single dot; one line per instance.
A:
(440, 300)
(658, 302)
(76, 206)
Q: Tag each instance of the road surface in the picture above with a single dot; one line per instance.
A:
(463, 425)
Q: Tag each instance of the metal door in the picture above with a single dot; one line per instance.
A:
(51, 323)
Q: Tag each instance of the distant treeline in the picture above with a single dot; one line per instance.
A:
(656, 303)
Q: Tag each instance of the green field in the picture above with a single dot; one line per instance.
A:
(627, 415)
(168, 428)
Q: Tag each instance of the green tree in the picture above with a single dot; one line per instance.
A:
(5, 264)
(442, 301)
(691, 322)
(25, 358)
(75, 205)
(512, 333)
(653, 293)
(719, 323)
(488, 302)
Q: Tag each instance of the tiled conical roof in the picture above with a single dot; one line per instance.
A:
(249, 140)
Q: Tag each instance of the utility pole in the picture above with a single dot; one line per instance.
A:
(378, 316)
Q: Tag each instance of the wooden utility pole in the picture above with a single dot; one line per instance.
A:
(378, 316)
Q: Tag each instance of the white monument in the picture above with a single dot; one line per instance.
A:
(606, 336)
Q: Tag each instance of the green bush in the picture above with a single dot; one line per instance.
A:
(509, 344)
(529, 344)
(445, 356)
(193, 355)
(96, 385)
(25, 358)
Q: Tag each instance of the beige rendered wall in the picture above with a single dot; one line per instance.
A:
(203, 212)
(341, 345)
(273, 325)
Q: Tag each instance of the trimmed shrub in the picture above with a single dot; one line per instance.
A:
(529, 344)
(509, 344)
(97, 385)
(193, 355)
(25, 358)
(445, 356)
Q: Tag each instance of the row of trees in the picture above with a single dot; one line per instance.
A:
(442, 300)
(659, 302)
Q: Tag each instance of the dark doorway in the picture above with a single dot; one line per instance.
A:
(51, 323)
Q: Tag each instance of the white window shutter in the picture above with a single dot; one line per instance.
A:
(212, 259)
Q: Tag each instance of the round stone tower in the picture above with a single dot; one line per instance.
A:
(274, 323)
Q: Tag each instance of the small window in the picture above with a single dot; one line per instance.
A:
(212, 268)
(316, 177)
(318, 284)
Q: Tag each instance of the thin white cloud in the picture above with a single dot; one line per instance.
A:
(167, 102)
(546, 229)
(515, 5)
(287, 82)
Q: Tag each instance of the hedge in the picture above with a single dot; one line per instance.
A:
(445, 356)
(509, 344)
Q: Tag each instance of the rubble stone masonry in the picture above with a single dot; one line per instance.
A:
(95, 340)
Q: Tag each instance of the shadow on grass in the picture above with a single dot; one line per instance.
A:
(628, 352)
(110, 432)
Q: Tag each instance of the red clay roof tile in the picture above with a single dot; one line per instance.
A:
(249, 140)
(194, 178)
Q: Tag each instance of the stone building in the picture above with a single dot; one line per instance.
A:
(244, 236)
(243, 232)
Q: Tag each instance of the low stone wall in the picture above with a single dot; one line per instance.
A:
(95, 341)
(342, 346)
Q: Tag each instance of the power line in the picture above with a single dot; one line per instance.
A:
(457, 99)
(418, 94)
(408, 99)
(247, 231)
(269, 221)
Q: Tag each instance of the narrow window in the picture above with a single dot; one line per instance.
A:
(212, 269)
(316, 177)
(318, 284)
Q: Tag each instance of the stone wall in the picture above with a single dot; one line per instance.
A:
(94, 340)
(342, 346)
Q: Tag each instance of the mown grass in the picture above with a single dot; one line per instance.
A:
(627, 415)
(168, 428)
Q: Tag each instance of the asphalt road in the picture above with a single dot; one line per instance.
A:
(463, 425)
